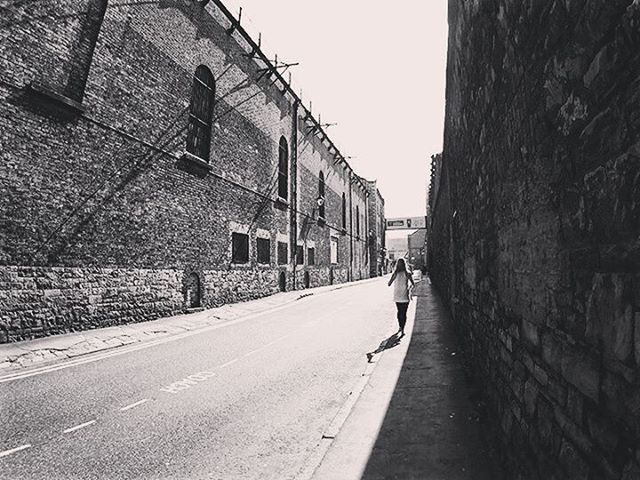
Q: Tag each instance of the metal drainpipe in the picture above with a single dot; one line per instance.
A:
(293, 209)
(350, 230)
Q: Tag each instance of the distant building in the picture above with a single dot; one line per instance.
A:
(377, 230)
(397, 248)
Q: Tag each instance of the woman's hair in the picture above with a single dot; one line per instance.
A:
(400, 265)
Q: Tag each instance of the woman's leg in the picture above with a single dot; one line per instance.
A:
(402, 315)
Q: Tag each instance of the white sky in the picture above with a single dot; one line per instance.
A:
(377, 69)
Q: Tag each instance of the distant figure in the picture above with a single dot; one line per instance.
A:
(401, 295)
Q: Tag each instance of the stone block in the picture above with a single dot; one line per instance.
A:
(530, 334)
(573, 462)
(552, 351)
(610, 315)
(581, 369)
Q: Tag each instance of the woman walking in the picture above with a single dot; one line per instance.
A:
(400, 280)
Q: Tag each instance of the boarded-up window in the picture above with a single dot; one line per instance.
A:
(283, 252)
(311, 256)
(299, 255)
(283, 169)
(201, 113)
(334, 250)
(263, 248)
(239, 248)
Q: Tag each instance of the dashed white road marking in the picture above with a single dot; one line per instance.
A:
(228, 363)
(78, 427)
(15, 450)
(129, 407)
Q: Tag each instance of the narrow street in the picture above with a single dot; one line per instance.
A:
(249, 400)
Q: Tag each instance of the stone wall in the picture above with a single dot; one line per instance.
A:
(534, 231)
(93, 177)
(38, 301)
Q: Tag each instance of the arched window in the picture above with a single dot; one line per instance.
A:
(83, 48)
(344, 211)
(321, 198)
(283, 169)
(357, 220)
(201, 113)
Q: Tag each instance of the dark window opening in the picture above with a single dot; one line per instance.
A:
(239, 248)
(307, 280)
(201, 113)
(283, 251)
(344, 211)
(311, 256)
(263, 248)
(192, 290)
(283, 169)
(282, 281)
(357, 221)
(321, 196)
(299, 255)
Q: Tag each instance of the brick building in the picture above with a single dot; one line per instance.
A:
(154, 160)
(377, 229)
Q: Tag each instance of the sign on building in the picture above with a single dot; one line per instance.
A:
(406, 223)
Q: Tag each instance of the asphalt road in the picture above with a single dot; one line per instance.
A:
(246, 401)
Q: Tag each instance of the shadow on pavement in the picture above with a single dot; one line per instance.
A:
(386, 344)
(431, 429)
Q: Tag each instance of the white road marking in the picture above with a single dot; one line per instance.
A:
(266, 345)
(78, 427)
(187, 382)
(129, 407)
(228, 363)
(14, 450)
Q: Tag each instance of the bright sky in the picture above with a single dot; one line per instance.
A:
(375, 68)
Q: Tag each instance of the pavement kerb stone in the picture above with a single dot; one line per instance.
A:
(45, 351)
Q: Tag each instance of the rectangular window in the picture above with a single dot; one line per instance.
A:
(239, 248)
(299, 255)
(334, 250)
(263, 247)
(283, 252)
(311, 256)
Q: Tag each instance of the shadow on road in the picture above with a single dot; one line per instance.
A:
(431, 429)
(387, 343)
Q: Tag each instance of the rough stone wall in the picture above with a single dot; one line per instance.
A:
(39, 301)
(534, 231)
(102, 186)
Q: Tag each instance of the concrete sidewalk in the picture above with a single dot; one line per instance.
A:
(414, 418)
(20, 356)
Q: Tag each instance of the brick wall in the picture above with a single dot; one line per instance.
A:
(93, 179)
(534, 230)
